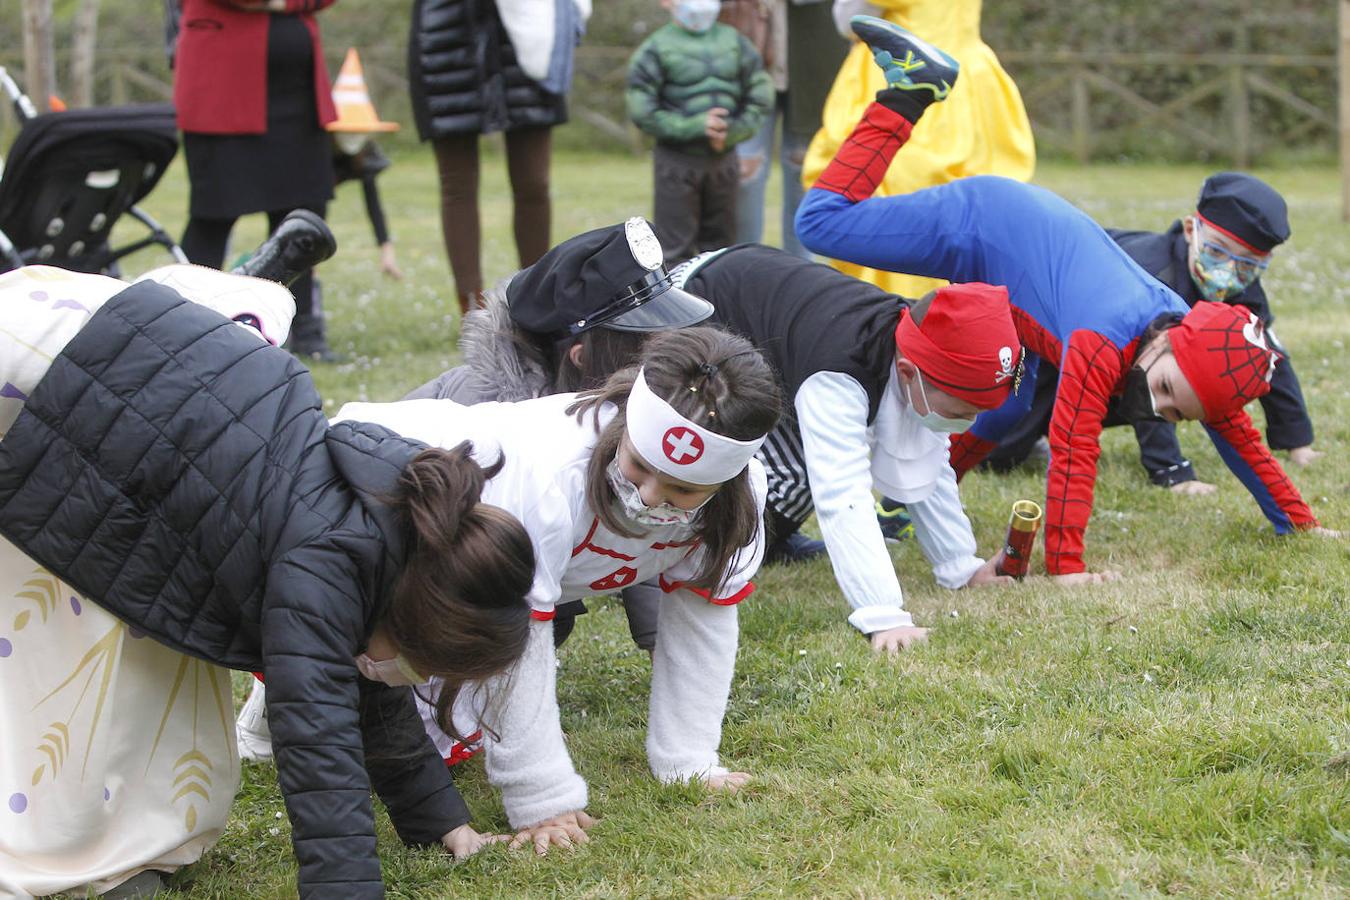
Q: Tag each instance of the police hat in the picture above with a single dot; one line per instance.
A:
(1245, 208)
(611, 277)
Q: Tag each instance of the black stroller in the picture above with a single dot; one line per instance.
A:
(71, 175)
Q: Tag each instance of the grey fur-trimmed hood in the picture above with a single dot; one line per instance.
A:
(492, 354)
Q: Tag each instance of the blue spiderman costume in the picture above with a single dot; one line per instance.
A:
(1078, 301)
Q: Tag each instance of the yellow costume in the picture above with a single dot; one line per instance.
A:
(981, 129)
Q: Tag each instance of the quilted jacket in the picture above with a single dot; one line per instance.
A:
(181, 473)
(464, 76)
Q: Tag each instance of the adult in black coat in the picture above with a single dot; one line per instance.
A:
(1238, 217)
(466, 80)
(179, 471)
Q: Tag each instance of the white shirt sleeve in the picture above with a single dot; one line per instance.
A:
(832, 416)
(527, 760)
(944, 533)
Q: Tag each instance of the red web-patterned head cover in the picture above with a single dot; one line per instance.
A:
(1223, 352)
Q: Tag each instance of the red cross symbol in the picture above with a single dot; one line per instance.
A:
(682, 446)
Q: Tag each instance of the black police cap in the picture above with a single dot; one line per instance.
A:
(1245, 207)
(611, 277)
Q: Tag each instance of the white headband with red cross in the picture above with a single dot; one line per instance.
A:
(677, 447)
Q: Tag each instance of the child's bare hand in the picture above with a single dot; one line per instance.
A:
(1075, 578)
(464, 841)
(893, 640)
(566, 830)
(715, 128)
(729, 783)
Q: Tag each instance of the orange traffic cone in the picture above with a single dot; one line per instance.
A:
(355, 111)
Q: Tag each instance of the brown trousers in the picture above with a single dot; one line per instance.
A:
(527, 165)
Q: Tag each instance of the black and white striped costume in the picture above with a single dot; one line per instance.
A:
(848, 426)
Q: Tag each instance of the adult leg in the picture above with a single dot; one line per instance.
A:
(676, 201)
(753, 158)
(790, 158)
(204, 241)
(457, 168)
(528, 156)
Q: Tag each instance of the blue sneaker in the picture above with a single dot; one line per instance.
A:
(793, 548)
(908, 62)
(895, 522)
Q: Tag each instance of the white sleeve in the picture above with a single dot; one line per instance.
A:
(695, 659)
(527, 760)
(944, 533)
(692, 667)
(832, 415)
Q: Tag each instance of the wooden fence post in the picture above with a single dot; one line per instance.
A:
(1082, 117)
(1239, 101)
(1344, 67)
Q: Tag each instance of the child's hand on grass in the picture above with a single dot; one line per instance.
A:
(715, 127)
(893, 640)
(464, 841)
(565, 830)
(1193, 488)
(731, 782)
(987, 574)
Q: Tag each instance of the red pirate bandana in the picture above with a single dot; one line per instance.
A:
(1223, 352)
(967, 345)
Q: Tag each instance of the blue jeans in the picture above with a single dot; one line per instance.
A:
(750, 196)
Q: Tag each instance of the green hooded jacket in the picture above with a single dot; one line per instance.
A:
(676, 76)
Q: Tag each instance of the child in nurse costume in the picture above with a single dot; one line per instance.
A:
(651, 477)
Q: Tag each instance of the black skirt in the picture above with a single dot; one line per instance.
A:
(289, 166)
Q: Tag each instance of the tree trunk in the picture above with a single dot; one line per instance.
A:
(82, 47)
(39, 53)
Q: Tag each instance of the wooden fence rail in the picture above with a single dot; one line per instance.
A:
(1095, 104)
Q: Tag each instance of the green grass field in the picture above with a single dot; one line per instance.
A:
(1184, 731)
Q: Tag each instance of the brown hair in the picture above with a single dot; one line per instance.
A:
(458, 610)
(604, 351)
(719, 381)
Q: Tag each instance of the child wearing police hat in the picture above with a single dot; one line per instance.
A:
(1078, 301)
(1217, 253)
(566, 323)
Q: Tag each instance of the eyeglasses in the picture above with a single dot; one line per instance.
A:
(1246, 268)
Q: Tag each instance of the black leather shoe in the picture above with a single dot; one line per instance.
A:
(301, 242)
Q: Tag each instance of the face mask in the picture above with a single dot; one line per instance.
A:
(931, 420)
(396, 672)
(1217, 273)
(697, 15)
(630, 498)
(1136, 401)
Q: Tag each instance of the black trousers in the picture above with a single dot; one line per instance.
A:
(695, 199)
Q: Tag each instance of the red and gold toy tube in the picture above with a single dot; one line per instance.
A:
(1015, 559)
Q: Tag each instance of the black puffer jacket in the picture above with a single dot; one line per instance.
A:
(182, 474)
(464, 77)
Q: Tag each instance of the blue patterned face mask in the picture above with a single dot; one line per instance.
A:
(1218, 274)
(697, 15)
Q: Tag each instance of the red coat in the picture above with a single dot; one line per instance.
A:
(220, 76)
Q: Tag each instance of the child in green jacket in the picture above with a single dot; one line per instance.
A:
(700, 89)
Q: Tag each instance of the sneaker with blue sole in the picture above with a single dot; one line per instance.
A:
(908, 62)
(895, 522)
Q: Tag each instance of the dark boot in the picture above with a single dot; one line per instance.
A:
(308, 340)
(301, 242)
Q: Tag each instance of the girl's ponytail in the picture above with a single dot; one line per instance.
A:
(458, 611)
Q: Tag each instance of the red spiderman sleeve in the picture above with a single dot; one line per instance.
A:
(1089, 370)
(861, 163)
(1240, 445)
(967, 450)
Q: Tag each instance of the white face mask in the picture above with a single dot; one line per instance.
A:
(697, 15)
(931, 420)
(630, 498)
(396, 672)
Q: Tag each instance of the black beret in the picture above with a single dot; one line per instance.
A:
(1245, 207)
(611, 277)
